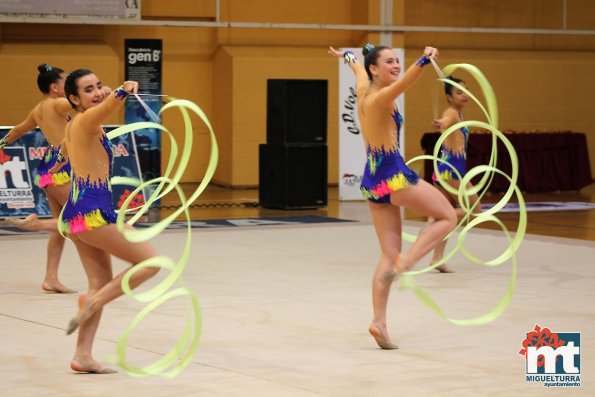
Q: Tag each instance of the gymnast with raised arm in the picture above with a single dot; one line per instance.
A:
(51, 115)
(388, 184)
(89, 216)
(453, 153)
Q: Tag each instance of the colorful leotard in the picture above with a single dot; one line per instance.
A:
(89, 205)
(44, 177)
(386, 171)
(457, 160)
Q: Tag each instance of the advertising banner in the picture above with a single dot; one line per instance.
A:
(117, 9)
(19, 193)
(144, 64)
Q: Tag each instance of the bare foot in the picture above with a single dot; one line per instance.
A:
(90, 367)
(27, 223)
(443, 268)
(56, 286)
(379, 336)
(80, 318)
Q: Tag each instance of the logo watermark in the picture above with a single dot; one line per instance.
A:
(352, 179)
(552, 358)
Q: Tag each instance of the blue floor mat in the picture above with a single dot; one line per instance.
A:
(6, 230)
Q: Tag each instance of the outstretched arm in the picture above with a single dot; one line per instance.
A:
(361, 78)
(386, 96)
(19, 130)
(449, 117)
(94, 117)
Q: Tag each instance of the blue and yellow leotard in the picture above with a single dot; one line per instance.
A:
(90, 205)
(386, 171)
(458, 160)
(44, 177)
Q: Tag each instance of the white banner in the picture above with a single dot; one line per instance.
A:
(119, 9)
(352, 151)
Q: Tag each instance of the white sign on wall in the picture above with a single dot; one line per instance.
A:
(119, 9)
(352, 151)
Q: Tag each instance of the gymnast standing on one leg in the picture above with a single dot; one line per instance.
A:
(51, 115)
(453, 152)
(89, 215)
(388, 183)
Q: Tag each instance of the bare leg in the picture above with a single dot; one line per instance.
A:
(113, 242)
(56, 196)
(33, 224)
(439, 254)
(97, 264)
(51, 283)
(95, 248)
(424, 199)
(428, 201)
(439, 250)
(387, 222)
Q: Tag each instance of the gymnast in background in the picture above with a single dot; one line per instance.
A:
(51, 115)
(453, 153)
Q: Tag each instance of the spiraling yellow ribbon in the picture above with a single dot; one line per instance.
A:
(181, 354)
(473, 219)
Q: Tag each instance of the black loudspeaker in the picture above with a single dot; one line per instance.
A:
(292, 176)
(296, 111)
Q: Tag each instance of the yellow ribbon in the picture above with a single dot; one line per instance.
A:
(181, 354)
(473, 219)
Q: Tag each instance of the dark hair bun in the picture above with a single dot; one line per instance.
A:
(44, 68)
(367, 48)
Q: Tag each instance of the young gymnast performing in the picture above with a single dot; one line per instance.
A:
(454, 152)
(89, 217)
(388, 184)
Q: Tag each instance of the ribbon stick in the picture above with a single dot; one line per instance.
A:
(472, 219)
(181, 354)
(437, 68)
(435, 90)
(149, 111)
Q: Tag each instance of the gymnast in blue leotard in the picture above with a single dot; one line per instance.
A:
(89, 216)
(453, 154)
(453, 158)
(385, 170)
(453, 151)
(50, 114)
(90, 204)
(388, 183)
